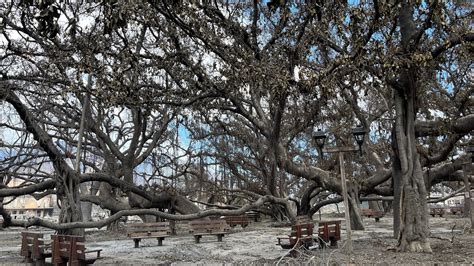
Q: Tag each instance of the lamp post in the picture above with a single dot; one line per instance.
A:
(470, 150)
(468, 196)
(359, 135)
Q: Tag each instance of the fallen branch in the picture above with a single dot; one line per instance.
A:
(99, 224)
(442, 238)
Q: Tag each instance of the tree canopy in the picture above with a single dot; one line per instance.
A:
(186, 104)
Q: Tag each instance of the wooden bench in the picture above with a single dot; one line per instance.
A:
(139, 231)
(71, 250)
(436, 211)
(457, 209)
(301, 235)
(208, 227)
(255, 216)
(372, 213)
(241, 220)
(329, 232)
(34, 248)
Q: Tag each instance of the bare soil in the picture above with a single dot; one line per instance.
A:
(452, 243)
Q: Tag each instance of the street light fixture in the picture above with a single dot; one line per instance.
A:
(319, 137)
(359, 135)
(358, 132)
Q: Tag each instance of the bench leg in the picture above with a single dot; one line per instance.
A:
(333, 242)
(196, 239)
(77, 263)
(377, 219)
(219, 238)
(40, 262)
(160, 241)
(322, 243)
(137, 242)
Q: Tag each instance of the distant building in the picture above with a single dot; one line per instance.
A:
(23, 207)
(457, 200)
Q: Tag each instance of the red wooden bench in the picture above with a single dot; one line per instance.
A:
(301, 235)
(436, 211)
(329, 232)
(241, 220)
(34, 248)
(139, 231)
(457, 209)
(71, 250)
(372, 213)
(200, 228)
(253, 215)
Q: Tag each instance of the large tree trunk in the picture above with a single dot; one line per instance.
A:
(396, 179)
(107, 192)
(87, 206)
(70, 204)
(414, 231)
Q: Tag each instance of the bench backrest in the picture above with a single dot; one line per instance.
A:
(209, 226)
(366, 212)
(302, 230)
(252, 214)
(237, 219)
(371, 212)
(330, 229)
(303, 219)
(149, 227)
(437, 210)
(32, 244)
(69, 247)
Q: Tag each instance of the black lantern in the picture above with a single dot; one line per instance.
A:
(319, 137)
(470, 149)
(359, 135)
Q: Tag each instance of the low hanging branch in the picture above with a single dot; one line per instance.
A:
(99, 224)
(447, 196)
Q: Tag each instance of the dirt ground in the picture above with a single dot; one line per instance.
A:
(451, 242)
